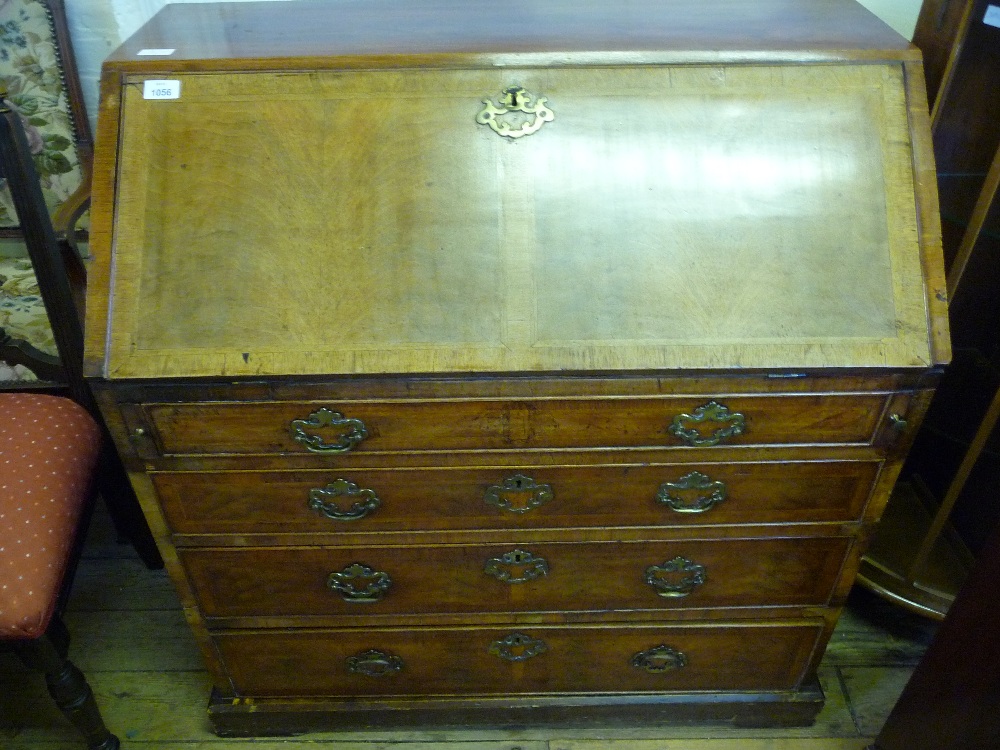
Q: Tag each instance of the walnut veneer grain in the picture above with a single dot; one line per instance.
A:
(319, 279)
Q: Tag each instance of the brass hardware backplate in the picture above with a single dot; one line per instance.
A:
(692, 493)
(517, 102)
(659, 659)
(322, 500)
(374, 663)
(347, 432)
(517, 647)
(518, 494)
(360, 583)
(675, 578)
(690, 427)
(517, 566)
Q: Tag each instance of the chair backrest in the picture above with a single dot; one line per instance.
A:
(49, 257)
(38, 67)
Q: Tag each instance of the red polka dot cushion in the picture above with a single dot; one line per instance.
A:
(48, 449)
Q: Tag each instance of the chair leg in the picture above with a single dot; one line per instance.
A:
(67, 685)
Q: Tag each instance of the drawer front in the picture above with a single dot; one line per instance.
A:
(519, 660)
(334, 428)
(544, 577)
(320, 501)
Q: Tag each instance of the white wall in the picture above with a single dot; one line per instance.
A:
(900, 14)
(99, 26)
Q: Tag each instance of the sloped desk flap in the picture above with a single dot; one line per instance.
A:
(655, 217)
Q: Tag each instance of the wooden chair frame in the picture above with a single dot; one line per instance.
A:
(49, 258)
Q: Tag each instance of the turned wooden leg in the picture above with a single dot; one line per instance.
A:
(67, 685)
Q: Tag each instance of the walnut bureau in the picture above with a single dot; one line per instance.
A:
(507, 363)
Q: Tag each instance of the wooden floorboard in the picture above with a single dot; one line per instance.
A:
(130, 638)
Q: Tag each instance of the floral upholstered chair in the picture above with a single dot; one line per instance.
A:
(52, 446)
(39, 72)
(37, 66)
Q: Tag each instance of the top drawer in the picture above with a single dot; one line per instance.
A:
(338, 427)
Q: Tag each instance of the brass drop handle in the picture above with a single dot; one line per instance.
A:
(518, 494)
(516, 566)
(359, 583)
(347, 433)
(898, 422)
(517, 647)
(374, 663)
(676, 578)
(692, 493)
(691, 428)
(323, 500)
(659, 659)
(515, 100)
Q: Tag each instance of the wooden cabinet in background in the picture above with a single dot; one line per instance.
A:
(544, 362)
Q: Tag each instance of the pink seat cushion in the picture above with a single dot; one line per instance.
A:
(48, 449)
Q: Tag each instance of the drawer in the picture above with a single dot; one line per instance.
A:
(542, 577)
(333, 428)
(384, 500)
(516, 661)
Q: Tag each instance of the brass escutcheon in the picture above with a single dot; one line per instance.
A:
(688, 427)
(515, 100)
(374, 663)
(517, 647)
(675, 578)
(517, 566)
(359, 583)
(692, 493)
(349, 432)
(321, 500)
(659, 659)
(518, 494)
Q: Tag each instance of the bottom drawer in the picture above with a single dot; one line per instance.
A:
(520, 660)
